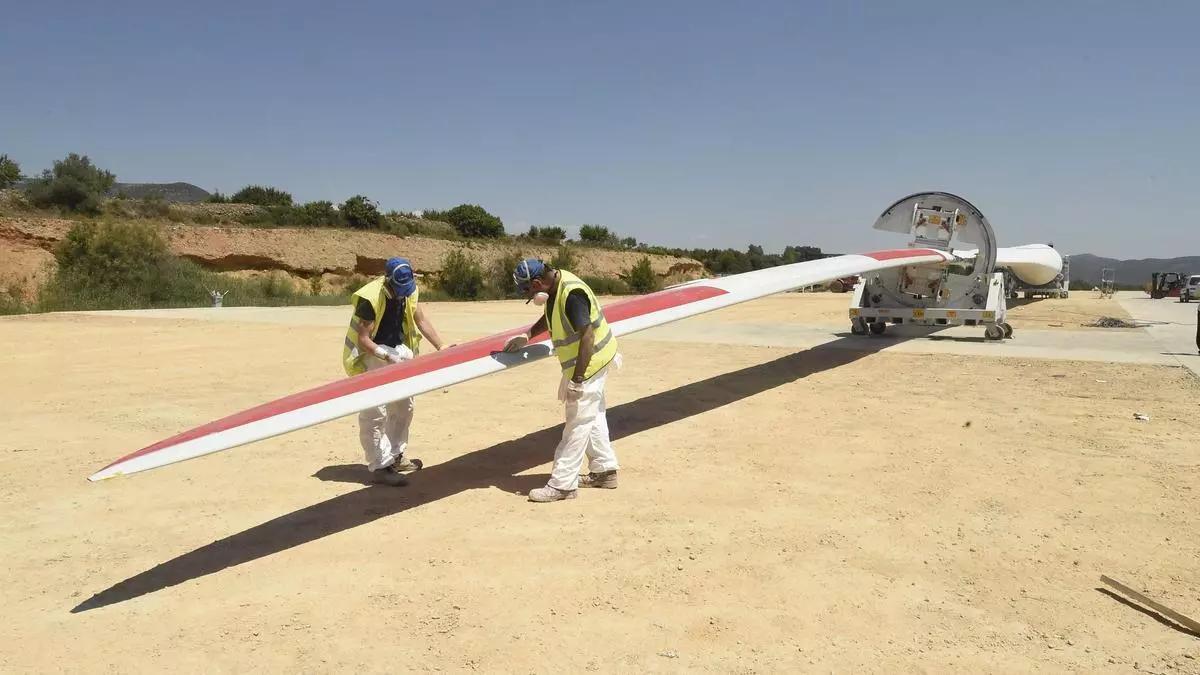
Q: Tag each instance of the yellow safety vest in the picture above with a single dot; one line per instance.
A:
(377, 293)
(566, 338)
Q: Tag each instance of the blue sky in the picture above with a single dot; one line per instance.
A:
(681, 123)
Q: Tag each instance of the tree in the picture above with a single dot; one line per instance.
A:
(74, 183)
(731, 262)
(471, 220)
(362, 213)
(629, 242)
(809, 253)
(10, 172)
(595, 234)
(642, 278)
(261, 196)
(550, 234)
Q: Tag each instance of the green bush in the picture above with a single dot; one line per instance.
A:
(217, 198)
(606, 285)
(564, 259)
(642, 278)
(319, 214)
(74, 184)
(11, 302)
(502, 275)
(462, 277)
(153, 206)
(204, 218)
(10, 172)
(116, 266)
(362, 213)
(435, 229)
(270, 216)
(260, 195)
(471, 220)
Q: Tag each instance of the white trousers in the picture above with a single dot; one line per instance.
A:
(383, 430)
(585, 433)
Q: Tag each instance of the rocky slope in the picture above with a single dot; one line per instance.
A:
(303, 254)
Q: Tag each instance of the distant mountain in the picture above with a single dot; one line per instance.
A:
(170, 192)
(1086, 267)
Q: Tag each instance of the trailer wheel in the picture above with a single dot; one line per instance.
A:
(837, 286)
(878, 327)
(993, 332)
(1007, 329)
(858, 327)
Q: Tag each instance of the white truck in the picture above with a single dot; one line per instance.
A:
(1191, 289)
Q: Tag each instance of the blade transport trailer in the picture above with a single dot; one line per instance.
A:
(969, 290)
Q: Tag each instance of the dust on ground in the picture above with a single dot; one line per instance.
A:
(778, 511)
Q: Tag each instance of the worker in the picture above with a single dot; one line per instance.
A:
(586, 350)
(385, 329)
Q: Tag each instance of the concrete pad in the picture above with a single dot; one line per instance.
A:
(1170, 323)
(1116, 345)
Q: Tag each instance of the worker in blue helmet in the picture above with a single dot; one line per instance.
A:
(586, 348)
(386, 329)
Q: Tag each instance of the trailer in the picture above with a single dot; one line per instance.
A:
(967, 290)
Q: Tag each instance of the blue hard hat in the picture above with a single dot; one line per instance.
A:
(399, 274)
(527, 270)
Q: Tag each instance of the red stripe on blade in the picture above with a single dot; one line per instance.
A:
(902, 253)
(446, 358)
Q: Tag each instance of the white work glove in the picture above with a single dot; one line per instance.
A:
(393, 354)
(516, 343)
(574, 390)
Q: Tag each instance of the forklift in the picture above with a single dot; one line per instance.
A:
(1165, 284)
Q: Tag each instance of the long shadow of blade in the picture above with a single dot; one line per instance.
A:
(493, 466)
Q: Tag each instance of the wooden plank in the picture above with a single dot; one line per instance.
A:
(1190, 624)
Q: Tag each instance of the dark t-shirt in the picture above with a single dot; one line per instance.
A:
(391, 327)
(579, 310)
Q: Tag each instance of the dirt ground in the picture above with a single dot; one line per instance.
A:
(827, 509)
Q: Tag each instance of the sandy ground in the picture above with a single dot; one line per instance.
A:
(825, 509)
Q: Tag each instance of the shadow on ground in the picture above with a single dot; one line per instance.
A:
(497, 466)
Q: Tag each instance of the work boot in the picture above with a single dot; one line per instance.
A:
(550, 494)
(599, 479)
(405, 464)
(388, 475)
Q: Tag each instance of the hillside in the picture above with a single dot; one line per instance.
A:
(176, 193)
(1086, 267)
(302, 254)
